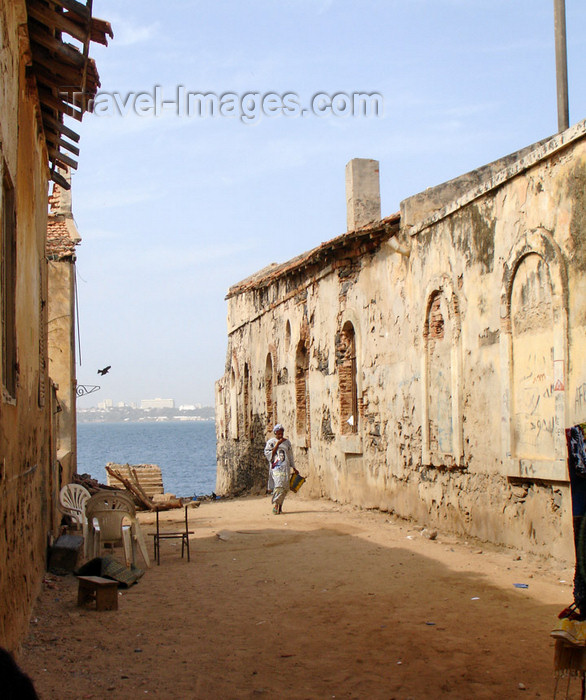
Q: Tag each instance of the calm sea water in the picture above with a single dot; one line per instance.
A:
(185, 451)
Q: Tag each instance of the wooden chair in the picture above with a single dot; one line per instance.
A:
(183, 534)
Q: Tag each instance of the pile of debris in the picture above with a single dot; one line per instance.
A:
(129, 477)
(91, 484)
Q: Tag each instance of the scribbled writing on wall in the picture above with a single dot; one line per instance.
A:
(580, 401)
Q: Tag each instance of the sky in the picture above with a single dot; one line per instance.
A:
(174, 208)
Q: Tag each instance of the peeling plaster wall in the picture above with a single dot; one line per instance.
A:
(26, 477)
(471, 361)
(61, 348)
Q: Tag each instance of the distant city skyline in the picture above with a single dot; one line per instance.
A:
(145, 404)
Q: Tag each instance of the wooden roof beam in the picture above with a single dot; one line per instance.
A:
(58, 70)
(58, 157)
(57, 21)
(57, 125)
(59, 179)
(58, 143)
(48, 99)
(77, 8)
(66, 52)
(100, 28)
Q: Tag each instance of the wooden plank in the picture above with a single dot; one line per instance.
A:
(49, 99)
(77, 8)
(58, 157)
(60, 180)
(69, 93)
(57, 125)
(62, 164)
(100, 29)
(68, 74)
(56, 153)
(68, 146)
(68, 53)
(57, 21)
(71, 24)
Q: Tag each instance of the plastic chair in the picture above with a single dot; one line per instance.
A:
(112, 520)
(72, 502)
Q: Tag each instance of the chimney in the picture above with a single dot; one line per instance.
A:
(362, 192)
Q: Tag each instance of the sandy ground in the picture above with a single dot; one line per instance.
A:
(324, 601)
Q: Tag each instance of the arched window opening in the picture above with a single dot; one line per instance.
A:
(438, 334)
(532, 327)
(347, 377)
(233, 406)
(246, 401)
(302, 390)
(269, 392)
(534, 358)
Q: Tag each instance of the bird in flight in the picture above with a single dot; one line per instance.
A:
(105, 370)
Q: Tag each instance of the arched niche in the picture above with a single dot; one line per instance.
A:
(533, 345)
(442, 438)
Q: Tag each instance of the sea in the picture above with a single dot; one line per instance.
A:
(184, 450)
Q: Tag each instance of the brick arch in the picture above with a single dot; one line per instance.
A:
(302, 406)
(347, 362)
(246, 412)
(442, 424)
(270, 382)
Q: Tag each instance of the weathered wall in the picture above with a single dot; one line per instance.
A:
(61, 338)
(26, 477)
(469, 353)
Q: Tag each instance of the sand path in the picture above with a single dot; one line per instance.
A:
(324, 601)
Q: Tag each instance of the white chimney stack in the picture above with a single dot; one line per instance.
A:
(362, 192)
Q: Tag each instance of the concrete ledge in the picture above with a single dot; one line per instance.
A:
(351, 444)
(547, 469)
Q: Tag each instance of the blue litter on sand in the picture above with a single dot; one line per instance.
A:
(521, 585)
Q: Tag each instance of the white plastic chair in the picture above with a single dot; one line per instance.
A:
(112, 520)
(72, 501)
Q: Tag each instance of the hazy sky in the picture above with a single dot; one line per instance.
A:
(173, 209)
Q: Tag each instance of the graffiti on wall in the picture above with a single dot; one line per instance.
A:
(580, 399)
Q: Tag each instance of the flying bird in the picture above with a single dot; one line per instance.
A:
(105, 370)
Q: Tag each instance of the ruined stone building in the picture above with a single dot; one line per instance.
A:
(427, 363)
(44, 76)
